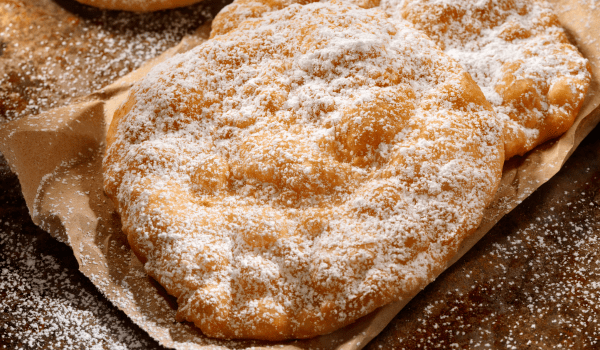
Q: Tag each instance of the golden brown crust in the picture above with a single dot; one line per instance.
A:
(302, 170)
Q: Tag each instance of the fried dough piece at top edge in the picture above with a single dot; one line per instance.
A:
(235, 13)
(542, 82)
(138, 5)
(212, 315)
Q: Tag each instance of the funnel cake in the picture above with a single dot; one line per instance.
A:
(288, 177)
(519, 56)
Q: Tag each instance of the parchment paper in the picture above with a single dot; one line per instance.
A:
(57, 156)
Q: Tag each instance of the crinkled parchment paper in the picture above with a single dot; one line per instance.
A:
(57, 156)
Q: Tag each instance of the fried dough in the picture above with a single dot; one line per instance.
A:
(240, 10)
(138, 5)
(309, 166)
(519, 56)
(516, 51)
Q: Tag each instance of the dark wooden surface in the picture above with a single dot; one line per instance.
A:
(533, 282)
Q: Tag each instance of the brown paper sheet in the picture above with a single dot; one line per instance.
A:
(57, 156)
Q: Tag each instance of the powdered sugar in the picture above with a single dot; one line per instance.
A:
(44, 301)
(49, 58)
(519, 56)
(247, 171)
(531, 281)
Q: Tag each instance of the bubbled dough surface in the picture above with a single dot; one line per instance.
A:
(517, 53)
(138, 5)
(295, 174)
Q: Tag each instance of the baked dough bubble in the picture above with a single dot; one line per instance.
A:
(300, 171)
(519, 56)
(138, 5)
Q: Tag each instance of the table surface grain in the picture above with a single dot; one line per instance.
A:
(533, 282)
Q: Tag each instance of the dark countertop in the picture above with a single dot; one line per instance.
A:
(533, 282)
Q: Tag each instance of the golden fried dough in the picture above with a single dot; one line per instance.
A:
(290, 176)
(138, 5)
(240, 10)
(517, 53)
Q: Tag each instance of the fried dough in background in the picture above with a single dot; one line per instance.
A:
(139, 5)
(518, 54)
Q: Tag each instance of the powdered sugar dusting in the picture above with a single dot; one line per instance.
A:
(531, 282)
(49, 57)
(517, 53)
(45, 303)
(290, 176)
